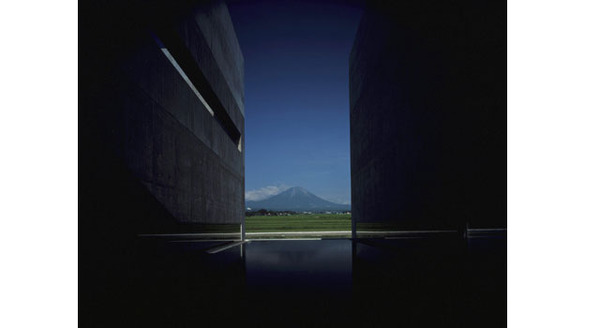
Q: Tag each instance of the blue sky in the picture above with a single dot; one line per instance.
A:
(296, 95)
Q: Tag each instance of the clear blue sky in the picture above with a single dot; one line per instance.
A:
(296, 94)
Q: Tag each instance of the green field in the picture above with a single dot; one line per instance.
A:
(299, 222)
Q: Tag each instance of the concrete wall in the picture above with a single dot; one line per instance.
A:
(428, 115)
(152, 159)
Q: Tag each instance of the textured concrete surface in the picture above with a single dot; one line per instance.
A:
(141, 122)
(428, 115)
(152, 159)
(217, 29)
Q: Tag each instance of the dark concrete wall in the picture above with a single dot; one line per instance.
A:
(152, 159)
(428, 114)
(137, 112)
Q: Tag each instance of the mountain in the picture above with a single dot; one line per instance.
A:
(296, 199)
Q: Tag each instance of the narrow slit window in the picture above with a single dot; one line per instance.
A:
(221, 117)
(187, 80)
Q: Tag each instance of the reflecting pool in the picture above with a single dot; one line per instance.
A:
(414, 281)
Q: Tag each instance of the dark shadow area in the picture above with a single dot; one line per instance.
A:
(413, 282)
(428, 115)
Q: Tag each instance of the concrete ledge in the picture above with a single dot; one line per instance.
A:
(211, 235)
(290, 234)
(223, 247)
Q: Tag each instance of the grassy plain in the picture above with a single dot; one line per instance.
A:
(299, 222)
